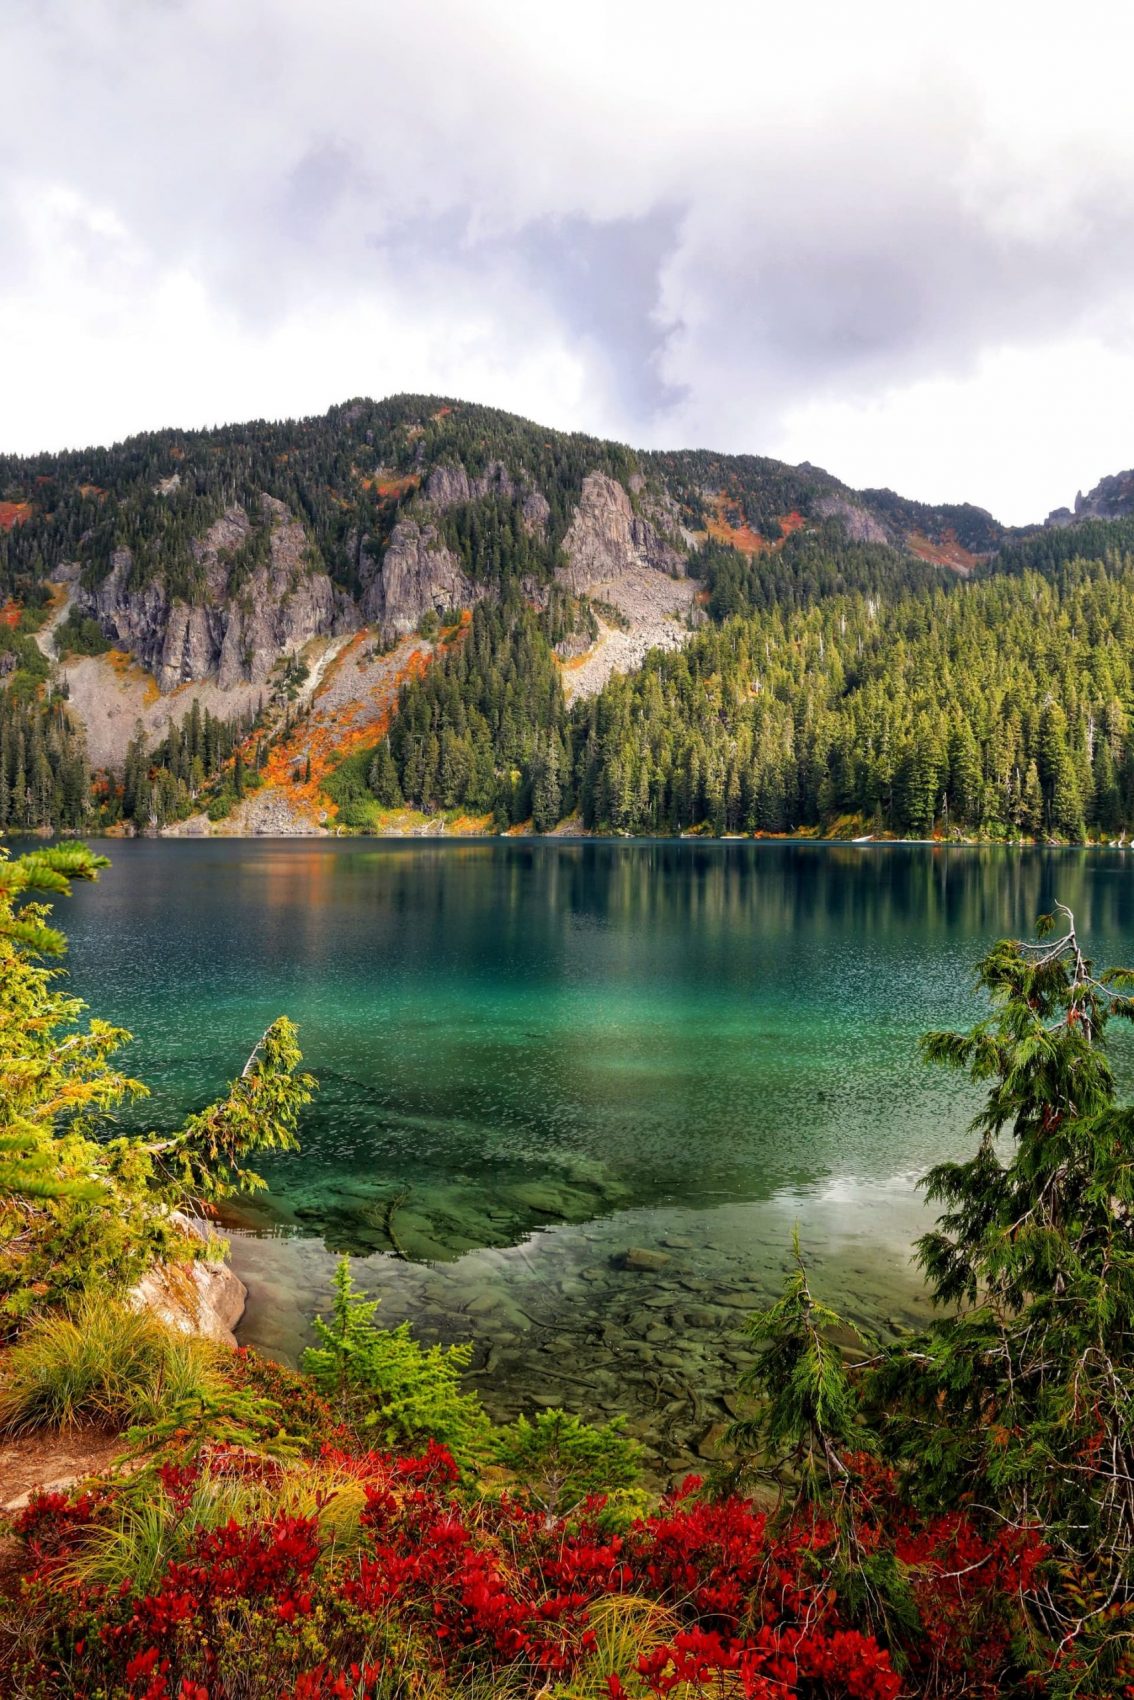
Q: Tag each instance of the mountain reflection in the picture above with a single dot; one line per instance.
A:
(522, 1032)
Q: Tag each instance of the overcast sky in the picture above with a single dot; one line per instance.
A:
(894, 240)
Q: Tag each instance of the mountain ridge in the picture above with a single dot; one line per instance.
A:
(210, 554)
(294, 585)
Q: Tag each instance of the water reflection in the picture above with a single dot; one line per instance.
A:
(520, 1033)
(535, 1055)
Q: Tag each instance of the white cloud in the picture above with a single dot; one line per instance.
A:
(1018, 435)
(897, 242)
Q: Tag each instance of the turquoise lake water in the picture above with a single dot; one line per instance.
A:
(535, 1056)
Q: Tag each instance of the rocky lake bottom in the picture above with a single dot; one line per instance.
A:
(641, 1314)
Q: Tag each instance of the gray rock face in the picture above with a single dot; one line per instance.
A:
(860, 526)
(238, 631)
(417, 573)
(449, 486)
(606, 538)
(536, 511)
(241, 624)
(1111, 498)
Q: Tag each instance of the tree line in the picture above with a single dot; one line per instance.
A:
(999, 706)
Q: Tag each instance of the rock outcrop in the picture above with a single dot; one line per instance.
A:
(1111, 498)
(417, 573)
(238, 630)
(606, 538)
(450, 486)
(202, 1296)
(859, 525)
(624, 560)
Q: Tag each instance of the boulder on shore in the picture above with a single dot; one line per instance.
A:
(202, 1296)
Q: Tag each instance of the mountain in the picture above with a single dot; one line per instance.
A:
(240, 618)
(1111, 498)
(208, 554)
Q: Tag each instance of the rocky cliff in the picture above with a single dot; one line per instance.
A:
(1111, 498)
(244, 618)
(450, 486)
(209, 556)
(607, 538)
(242, 624)
(415, 574)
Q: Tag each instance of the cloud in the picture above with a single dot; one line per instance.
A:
(896, 243)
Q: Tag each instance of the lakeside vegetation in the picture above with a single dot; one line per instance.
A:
(948, 1514)
(995, 708)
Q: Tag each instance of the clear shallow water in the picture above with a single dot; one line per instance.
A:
(534, 1056)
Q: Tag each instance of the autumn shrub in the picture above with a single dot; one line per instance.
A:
(159, 1516)
(436, 1591)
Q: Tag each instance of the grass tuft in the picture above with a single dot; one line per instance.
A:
(103, 1363)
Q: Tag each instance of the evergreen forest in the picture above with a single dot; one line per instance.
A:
(996, 706)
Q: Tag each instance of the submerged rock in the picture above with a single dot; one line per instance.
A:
(638, 1257)
(710, 1444)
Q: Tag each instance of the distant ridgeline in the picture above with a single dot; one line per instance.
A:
(840, 657)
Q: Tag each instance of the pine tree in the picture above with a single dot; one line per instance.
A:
(383, 777)
(88, 1212)
(1027, 1385)
(546, 792)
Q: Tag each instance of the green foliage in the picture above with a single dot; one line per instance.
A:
(484, 725)
(44, 776)
(156, 493)
(198, 764)
(1032, 1372)
(559, 1461)
(79, 634)
(393, 1390)
(260, 1113)
(349, 787)
(1018, 1402)
(889, 705)
(81, 1210)
(104, 1364)
(807, 1415)
(814, 566)
(844, 679)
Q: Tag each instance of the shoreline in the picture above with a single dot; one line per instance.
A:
(439, 833)
(607, 1315)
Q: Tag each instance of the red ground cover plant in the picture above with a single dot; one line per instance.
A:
(439, 1589)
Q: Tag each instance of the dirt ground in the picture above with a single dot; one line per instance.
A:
(53, 1460)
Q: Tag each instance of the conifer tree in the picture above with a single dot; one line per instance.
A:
(82, 1210)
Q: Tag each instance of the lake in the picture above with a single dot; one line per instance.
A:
(537, 1056)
